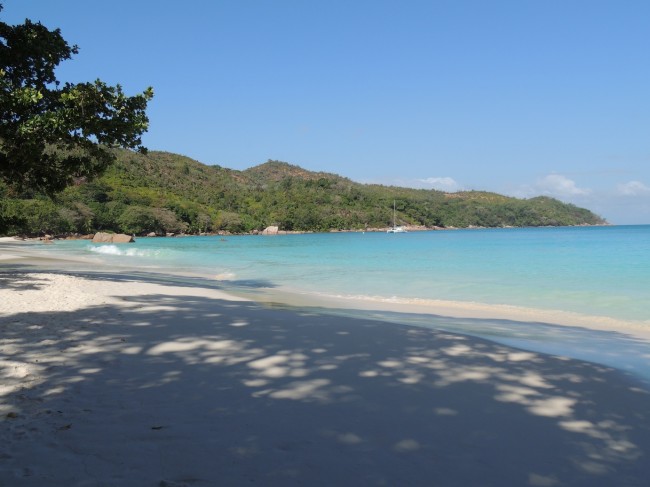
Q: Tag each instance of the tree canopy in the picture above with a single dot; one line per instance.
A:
(169, 193)
(52, 133)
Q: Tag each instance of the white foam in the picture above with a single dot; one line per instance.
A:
(225, 276)
(129, 252)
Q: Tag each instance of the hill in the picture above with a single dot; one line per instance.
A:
(163, 192)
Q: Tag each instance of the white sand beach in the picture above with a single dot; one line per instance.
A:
(111, 379)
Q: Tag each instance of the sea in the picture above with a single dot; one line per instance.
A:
(597, 275)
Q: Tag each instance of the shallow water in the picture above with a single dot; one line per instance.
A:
(598, 274)
(598, 271)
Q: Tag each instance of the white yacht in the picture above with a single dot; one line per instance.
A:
(395, 228)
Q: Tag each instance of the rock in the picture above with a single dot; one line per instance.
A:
(151, 234)
(272, 230)
(122, 238)
(101, 237)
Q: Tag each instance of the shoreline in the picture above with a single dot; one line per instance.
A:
(533, 329)
(142, 379)
(29, 253)
(408, 228)
(463, 310)
(623, 345)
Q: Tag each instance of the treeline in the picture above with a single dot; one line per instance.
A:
(168, 193)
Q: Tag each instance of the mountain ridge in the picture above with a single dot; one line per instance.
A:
(163, 192)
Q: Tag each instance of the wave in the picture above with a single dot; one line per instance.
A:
(128, 252)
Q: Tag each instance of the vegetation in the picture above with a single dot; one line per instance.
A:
(52, 134)
(54, 139)
(162, 192)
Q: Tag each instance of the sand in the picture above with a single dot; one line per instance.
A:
(111, 379)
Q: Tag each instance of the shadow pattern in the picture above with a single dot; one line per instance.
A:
(197, 391)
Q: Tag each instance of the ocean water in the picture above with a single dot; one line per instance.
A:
(594, 272)
(599, 271)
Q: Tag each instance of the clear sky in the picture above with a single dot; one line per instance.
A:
(520, 97)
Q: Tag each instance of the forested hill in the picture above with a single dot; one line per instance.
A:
(162, 192)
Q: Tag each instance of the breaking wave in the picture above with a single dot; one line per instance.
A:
(128, 252)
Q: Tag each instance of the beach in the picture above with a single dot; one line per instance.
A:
(111, 378)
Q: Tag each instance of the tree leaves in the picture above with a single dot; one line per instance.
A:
(50, 135)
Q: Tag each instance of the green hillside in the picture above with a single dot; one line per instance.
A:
(162, 192)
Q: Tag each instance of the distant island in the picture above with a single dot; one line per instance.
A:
(162, 193)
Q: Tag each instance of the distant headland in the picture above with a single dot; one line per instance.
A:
(161, 193)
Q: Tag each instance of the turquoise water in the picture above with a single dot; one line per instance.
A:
(599, 271)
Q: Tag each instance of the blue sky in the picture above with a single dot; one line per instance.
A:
(521, 97)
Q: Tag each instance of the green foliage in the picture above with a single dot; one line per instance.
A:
(162, 192)
(35, 217)
(52, 134)
(142, 220)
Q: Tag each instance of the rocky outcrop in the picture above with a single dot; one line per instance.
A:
(122, 238)
(101, 237)
(272, 230)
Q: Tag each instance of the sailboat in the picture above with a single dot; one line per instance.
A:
(395, 228)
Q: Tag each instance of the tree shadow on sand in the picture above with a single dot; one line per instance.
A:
(13, 274)
(21, 281)
(209, 392)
